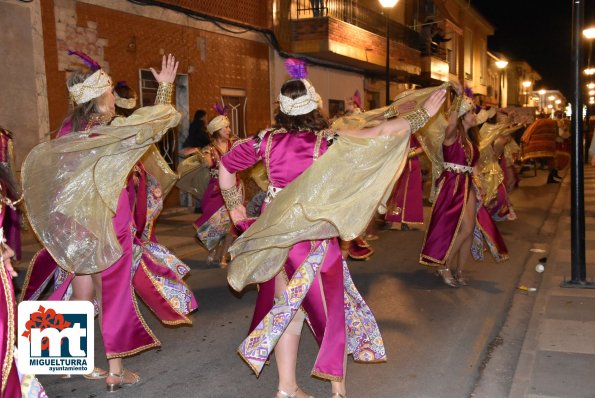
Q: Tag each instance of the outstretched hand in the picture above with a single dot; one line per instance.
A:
(238, 214)
(169, 67)
(7, 253)
(434, 102)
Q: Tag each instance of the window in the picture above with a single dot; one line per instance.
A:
(484, 62)
(148, 91)
(468, 63)
(235, 100)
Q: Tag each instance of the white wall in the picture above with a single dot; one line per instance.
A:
(329, 83)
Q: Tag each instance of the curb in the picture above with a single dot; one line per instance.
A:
(505, 351)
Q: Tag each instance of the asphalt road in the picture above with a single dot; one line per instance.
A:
(436, 336)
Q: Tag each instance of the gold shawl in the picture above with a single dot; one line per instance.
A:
(72, 185)
(491, 172)
(336, 196)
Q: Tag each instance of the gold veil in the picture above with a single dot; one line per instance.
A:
(336, 196)
(72, 185)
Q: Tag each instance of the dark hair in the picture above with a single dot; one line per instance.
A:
(197, 132)
(313, 120)
(125, 92)
(471, 137)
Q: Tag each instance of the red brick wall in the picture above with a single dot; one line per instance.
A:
(251, 12)
(231, 62)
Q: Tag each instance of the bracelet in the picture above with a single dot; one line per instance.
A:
(417, 119)
(411, 154)
(232, 197)
(164, 93)
(391, 112)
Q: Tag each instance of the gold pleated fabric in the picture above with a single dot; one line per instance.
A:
(491, 173)
(72, 185)
(336, 196)
(194, 175)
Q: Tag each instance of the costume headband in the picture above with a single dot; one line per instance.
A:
(305, 103)
(125, 103)
(93, 86)
(217, 123)
(466, 105)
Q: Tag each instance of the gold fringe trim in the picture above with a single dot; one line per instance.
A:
(10, 327)
(326, 376)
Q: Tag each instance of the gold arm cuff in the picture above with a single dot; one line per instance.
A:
(164, 93)
(391, 112)
(417, 119)
(232, 197)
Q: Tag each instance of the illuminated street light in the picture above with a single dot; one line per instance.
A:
(526, 84)
(589, 33)
(558, 102)
(590, 71)
(501, 64)
(387, 5)
(551, 97)
(591, 85)
(541, 92)
(591, 92)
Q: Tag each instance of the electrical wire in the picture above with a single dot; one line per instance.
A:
(268, 34)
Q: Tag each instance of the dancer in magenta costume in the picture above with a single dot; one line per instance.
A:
(156, 275)
(298, 140)
(13, 384)
(12, 222)
(213, 226)
(459, 222)
(406, 205)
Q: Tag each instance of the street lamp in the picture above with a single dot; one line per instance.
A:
(501, 64)
(387, 5)
(526, 84)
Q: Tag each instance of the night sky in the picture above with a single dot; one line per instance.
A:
(538, 32)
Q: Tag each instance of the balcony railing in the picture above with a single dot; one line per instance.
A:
(351, 12)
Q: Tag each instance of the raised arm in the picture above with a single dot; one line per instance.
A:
(406, 124)
(450, 134)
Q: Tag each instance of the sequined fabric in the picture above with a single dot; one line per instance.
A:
(336, 196)
(72, 185)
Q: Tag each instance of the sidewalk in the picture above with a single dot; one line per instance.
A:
(557, 357)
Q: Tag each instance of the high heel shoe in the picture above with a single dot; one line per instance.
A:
(447, 277)
(285, 394)
(96, 374)
(113, 387)
(458, 275)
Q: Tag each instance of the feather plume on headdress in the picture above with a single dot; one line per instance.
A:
(468, 91)
(90, 62)
(296, 68)
(220, 109)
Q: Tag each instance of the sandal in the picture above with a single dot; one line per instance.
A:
(96, 374)
(458, 275)
(338, 394)
(447, 277)
(113, 387)
(291, 395)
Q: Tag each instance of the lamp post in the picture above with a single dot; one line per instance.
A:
(526, 85)
(387, 5)
(501, 65)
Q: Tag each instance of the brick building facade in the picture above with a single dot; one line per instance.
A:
(126, 38)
